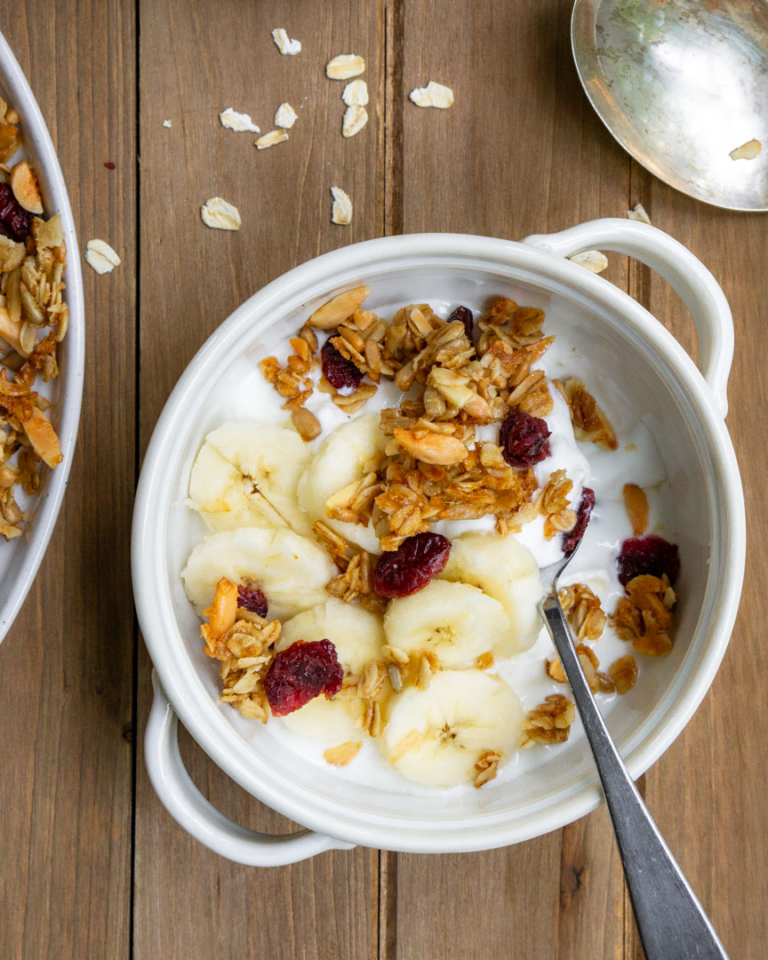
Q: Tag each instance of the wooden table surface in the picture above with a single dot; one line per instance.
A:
(91, 865)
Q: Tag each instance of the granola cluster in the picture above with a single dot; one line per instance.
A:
(33, 321)
(644, 616)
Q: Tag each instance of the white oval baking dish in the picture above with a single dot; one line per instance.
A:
(685, 409)
(21, 558)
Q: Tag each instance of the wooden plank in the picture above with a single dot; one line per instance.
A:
(196, 60)
(707, 792)
(519, 152)
(66, 665)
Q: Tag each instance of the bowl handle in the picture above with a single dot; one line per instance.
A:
(687, 276)
(194, 813)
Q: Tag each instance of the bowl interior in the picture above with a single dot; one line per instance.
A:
(633, 377)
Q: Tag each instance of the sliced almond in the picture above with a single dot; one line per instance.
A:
(220, 215)
(285, 116)
(343, 754)
(306, 423)
(344, 66)
(747, 151)
(101, 256)
(636, 503)
(241, 122)
(339, 308)
(270, 139)
(431, 447)
(433, 95)
(356, 94)
(25, 187)
(341, 211)
(355, 118)
(639, 213)
(286, 46)
(592, 260)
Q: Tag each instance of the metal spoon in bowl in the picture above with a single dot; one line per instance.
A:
(671, 921)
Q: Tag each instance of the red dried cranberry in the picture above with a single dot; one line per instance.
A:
(300, 673)
(337, 370)
(572, 538)
(410, 568)
(524, 439)
(15, 222)
(465, 315)
(110, 166)
(253, 599)
(652, 554)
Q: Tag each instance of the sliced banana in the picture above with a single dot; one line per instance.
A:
(291, 570)
(435, 736)
(507, 571)
(224, 498)
(455, 621)
(347, 455)
(248, 472)
(358, 638)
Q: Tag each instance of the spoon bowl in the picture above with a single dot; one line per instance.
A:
(680, 85)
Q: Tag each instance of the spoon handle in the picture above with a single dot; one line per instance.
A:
(671, 921)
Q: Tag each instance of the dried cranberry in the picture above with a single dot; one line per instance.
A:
(110, 166)
(410, 568)
(524, 439)
(253, 599)
(15, 222)
(572, 538)
(300, 673)
(337, 370)
(653, 555)
(465, 315)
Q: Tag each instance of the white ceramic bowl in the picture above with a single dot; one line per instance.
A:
(20, 559)
(683, 407)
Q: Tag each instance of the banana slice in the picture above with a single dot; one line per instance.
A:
(358, 637)
(507, 571)
(247, 473)
(291, 570)
(435, 736)
(347, 455)
(455, 621)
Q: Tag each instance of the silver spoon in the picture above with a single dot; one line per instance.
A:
(671, 921)
(680, 85)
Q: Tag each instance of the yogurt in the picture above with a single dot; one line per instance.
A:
(637, 460)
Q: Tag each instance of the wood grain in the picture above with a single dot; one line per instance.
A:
(198, 59)
(92, 866)
(66, 667)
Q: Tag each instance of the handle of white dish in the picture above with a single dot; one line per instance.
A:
(687, 276)
(194, 813)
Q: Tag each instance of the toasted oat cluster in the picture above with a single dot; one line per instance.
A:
(33, 321)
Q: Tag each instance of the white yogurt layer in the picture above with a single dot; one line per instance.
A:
(637, 460)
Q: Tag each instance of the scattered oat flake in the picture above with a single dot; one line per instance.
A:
(285, 116)
(286, 46)
(342, 755)
(341, 212)
(433, 95)
(167, 123)
(344, 66)
(639, 213)
(747, 151)
(220, 215)
(592, 260)
(270, 139)
(355, 93)
(101, 256)
(355, 118)
(241, 122)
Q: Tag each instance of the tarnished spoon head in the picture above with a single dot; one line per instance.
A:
(680, 84)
